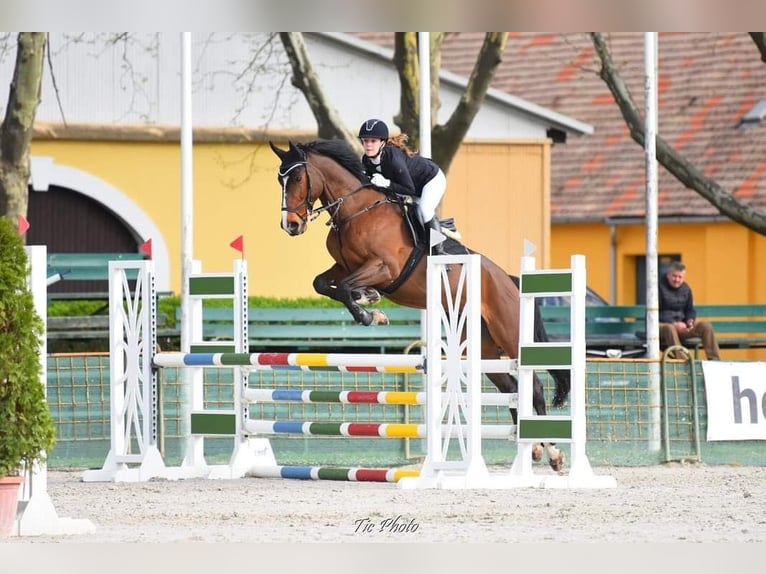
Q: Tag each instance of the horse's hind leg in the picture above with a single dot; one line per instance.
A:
(505, 383)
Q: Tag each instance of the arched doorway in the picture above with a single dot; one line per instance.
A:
(72, 211)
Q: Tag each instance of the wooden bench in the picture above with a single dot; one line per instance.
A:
(741, 326)
(623, 327)
(94, 327)
(85, 267)
(314, 328)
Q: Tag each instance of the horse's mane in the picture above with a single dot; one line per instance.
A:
(341, 152)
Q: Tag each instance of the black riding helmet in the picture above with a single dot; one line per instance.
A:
(373, 129)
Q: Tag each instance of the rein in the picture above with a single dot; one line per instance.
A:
(332, 208)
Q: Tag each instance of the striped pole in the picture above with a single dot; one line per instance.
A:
(343, 362)
(368, 429)
(361, 397)
(350, 474)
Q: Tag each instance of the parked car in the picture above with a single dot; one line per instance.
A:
(630, 344)
(591, 298)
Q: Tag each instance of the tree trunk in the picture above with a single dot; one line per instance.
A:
(448, 137)
(16, 131)
(306, 80)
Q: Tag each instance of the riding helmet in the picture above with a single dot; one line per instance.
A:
(373, 129)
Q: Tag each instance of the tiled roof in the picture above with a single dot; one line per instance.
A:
(706, 83)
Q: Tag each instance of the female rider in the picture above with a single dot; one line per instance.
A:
(390, 165)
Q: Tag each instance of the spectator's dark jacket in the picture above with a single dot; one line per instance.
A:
(675, 304)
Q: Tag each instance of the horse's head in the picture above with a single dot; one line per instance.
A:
(297, 200)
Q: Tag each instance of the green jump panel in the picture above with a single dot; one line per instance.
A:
(543, 428)
(212, 348)
(534, 356)
(546, 283)
(214, 423)
(223, 285)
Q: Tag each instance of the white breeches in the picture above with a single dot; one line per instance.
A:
(432, 194)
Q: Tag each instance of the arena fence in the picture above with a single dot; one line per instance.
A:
(619, 419)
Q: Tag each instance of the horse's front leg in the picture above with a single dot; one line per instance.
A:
(350, 290)
(327, 284)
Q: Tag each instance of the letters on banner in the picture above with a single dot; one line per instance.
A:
(736, 400)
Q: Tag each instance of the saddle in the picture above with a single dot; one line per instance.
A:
(418, 230)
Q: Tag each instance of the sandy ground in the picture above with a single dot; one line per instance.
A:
(694, 503)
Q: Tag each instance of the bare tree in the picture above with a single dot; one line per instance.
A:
(446, 138)
(681, 168)
(16, 130)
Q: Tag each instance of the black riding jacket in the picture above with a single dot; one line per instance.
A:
(408, 174)
(675, 304)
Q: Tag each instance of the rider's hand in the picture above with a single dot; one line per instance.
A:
(378, 180)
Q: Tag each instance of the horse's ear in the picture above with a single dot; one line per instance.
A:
(280, 152)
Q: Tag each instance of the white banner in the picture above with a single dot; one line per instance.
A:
(736, 400)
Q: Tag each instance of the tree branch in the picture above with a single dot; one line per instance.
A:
(447, 138)
(683, 170)
(329, 123)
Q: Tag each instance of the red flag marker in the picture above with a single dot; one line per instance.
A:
(239, 244)
(23, 224)
(146, 248)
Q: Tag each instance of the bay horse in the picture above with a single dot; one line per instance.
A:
(375, 252)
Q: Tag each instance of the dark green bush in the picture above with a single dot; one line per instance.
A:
(26, 427)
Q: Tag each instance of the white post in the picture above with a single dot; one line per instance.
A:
(249, 452)
(580, 466)
(38, 515)
(652, 296)
(193, 378)
(132, 379)
(522, 464)
(453, 391)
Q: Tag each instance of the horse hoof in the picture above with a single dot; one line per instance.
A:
(379, 317)
(557, 463)
(537, 453)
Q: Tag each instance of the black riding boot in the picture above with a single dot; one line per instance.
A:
(434, 224)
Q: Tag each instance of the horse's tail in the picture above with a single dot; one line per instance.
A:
(562, 377)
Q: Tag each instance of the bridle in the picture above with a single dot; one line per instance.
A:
(307, 204)
(333, 207)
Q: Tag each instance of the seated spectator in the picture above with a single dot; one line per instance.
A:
(678, 317)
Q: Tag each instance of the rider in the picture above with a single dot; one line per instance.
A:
(395, 167)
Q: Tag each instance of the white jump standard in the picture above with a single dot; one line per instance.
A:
(453, 398)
